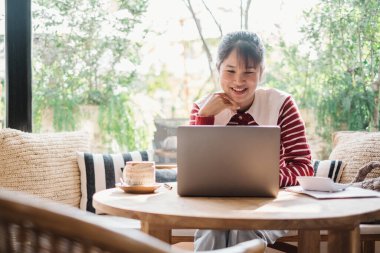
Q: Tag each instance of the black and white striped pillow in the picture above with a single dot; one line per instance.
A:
(101, 171)
(328, 168)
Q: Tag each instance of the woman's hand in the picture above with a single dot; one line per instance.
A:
(216, 103)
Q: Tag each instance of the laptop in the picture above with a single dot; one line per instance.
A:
(228, 161)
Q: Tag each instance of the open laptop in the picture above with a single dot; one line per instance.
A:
(228, 161)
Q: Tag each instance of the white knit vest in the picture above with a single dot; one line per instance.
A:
(264, 109)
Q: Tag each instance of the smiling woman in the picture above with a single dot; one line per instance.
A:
(240, 64)
(241, 102)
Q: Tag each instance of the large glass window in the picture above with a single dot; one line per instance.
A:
(129, 71)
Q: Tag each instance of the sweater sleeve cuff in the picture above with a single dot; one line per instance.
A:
(201, 120)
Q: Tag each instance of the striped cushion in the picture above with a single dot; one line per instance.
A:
(328, 168)
(101, 171)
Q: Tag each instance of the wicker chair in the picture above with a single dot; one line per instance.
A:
(30, 224)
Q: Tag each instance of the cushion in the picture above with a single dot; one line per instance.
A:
(328, 168)
(166, 175)
(43, 164)
(101, 171)
(356, 149)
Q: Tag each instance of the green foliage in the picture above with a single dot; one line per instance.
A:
(292, 72)
(345, 35)
(83, 54)
(156, 82)
(125, 135)
(335, 74)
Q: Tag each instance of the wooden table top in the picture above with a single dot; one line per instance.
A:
(287, 211)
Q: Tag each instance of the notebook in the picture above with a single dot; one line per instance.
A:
(236, 161)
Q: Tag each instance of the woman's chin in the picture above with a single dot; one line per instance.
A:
(243, 102)
(240, 100)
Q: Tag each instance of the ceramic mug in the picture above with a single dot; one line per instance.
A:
(139, 173)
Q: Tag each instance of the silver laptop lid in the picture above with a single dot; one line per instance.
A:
(228, 160)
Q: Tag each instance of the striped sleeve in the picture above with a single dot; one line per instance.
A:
(295, 158)
(195, 119)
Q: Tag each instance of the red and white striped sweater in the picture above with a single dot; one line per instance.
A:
(295, 156)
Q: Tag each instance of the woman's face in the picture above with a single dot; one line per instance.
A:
(238, 81)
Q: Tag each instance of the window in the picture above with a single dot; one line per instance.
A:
(129, 71)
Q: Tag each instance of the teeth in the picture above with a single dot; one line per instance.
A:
(237, 89)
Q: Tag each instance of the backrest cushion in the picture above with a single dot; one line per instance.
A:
(328, 168)
(101, 171)
(43, 164)
(356, 149)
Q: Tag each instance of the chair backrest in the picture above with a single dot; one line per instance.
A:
(166, 128)
(29, 224)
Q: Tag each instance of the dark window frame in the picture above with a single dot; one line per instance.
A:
(18, 75)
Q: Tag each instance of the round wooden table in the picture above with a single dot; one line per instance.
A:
(165, 210)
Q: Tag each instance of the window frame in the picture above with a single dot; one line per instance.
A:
(18, 73)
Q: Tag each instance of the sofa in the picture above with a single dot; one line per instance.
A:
(61, 167)
(47, 165)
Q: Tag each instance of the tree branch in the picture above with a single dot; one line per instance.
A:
(241, 14)
(205, 46)
(213, 17)
(246, 14)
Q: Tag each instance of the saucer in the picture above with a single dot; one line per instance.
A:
(138, 188)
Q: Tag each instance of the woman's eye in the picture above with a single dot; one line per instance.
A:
(231, 71)
(249, 72)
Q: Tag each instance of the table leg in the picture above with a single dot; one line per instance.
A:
(160, 232)
(309, 241)
(344, 241)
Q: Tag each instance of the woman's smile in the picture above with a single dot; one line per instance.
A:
(239, 91)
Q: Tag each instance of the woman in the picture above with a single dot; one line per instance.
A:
(241, 65)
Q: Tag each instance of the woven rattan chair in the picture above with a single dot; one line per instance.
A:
(30, 224)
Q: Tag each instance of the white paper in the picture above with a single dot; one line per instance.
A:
(350, 192)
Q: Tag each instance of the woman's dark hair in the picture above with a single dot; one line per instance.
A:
(249, 46)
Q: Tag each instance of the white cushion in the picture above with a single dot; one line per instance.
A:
(42, 164)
